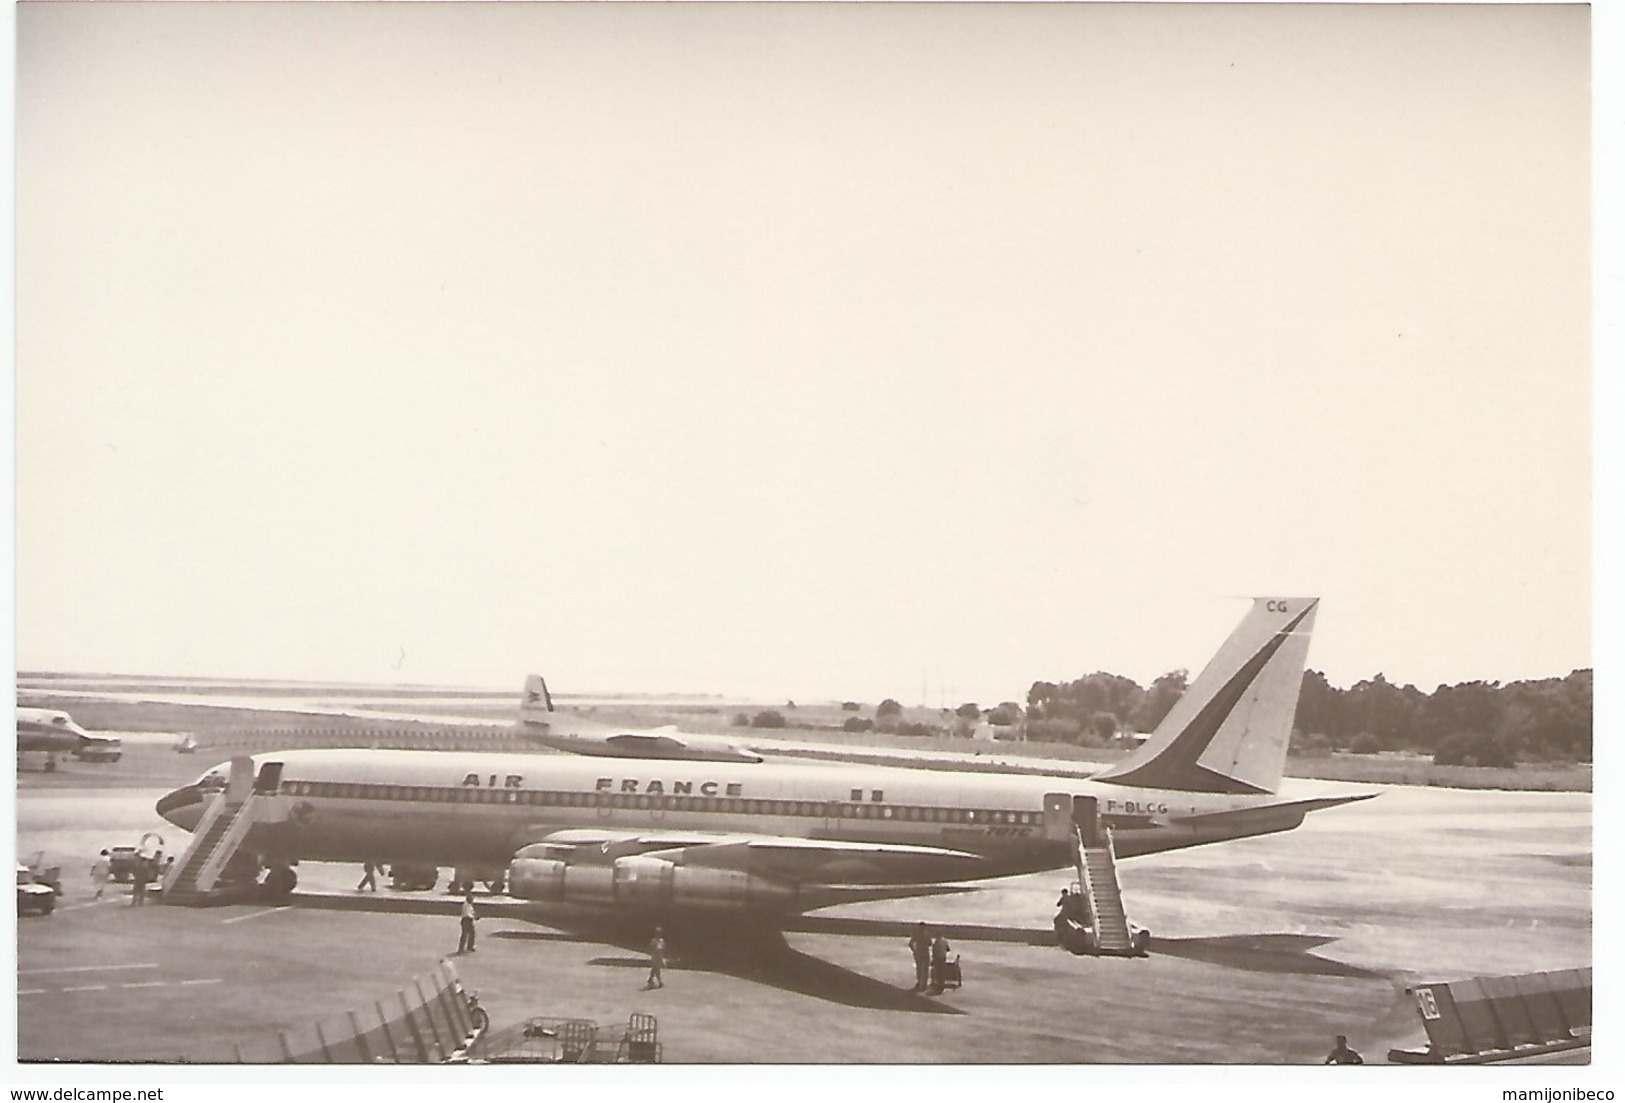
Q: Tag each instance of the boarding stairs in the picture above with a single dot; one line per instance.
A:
(197, 872)
(227, 820)
(1100, 925)
(1097, 880)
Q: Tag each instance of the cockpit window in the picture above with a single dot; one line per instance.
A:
(215, 778)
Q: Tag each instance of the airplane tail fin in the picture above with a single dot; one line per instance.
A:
(536, 704)
(1229, 732)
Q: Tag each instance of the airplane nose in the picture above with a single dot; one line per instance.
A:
(175, 806)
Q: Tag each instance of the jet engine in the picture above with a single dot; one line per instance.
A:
(637, 881)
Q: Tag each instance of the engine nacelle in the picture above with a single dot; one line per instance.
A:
(643, 882)
(536, 878)
(556, 881)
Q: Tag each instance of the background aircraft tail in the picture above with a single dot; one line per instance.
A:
(536, 704)
(1229, 732)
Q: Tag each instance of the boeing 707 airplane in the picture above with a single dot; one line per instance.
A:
(666, 833)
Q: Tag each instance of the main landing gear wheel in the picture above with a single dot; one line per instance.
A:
(279, 883)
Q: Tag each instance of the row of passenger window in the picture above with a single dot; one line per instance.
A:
(820, 809)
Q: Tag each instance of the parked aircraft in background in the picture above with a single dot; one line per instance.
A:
(684, 831)
(539, 721)
(54, 733)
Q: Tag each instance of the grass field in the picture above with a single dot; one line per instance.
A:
(1399, 768)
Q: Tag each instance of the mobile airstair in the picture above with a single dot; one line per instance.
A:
(1103, 927)
(197, 875)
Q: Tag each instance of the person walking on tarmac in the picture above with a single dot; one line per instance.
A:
(920, 944)
(657, 960)
(101, 871)
(465, 944)
(369, 877)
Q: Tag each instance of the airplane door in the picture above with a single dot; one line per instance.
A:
(1058, 816)
(241, 779)
(1064, 811)
(1086, 814)
(270, 777)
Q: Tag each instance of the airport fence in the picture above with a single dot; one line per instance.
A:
(426, 1022)
(1488, 1019)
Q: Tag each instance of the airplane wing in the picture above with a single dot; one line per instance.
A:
(1265, 817)
(650, 744)
(805, 861)
(666, 742)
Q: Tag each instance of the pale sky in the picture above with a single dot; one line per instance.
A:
(820, 351)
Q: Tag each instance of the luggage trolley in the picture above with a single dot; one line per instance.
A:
(640, 1044)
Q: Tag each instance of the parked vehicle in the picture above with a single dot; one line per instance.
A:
(49, 876)
(33, 896)
(122, 862)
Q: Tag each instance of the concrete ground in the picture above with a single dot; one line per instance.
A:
(1265, 948)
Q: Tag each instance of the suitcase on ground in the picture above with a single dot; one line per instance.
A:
(951, 976)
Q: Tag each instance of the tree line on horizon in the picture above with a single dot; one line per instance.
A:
(1470, 723)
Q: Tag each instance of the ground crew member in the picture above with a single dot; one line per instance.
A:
(939, 964)
(657, 960)
(465, 944)
(1061, 906)
(1341, 1054)
(101, 871)
(920, 944)
(369, 877)
(138, 881)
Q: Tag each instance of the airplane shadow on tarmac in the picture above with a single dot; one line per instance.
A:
(1258, 953)
(539, 936)
(1263, 953)
(755, 953)
(898, 928)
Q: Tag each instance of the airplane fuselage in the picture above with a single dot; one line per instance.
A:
(49, 730)
(452, 808)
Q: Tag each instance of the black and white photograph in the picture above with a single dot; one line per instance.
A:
(926, 537)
